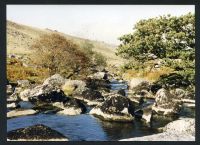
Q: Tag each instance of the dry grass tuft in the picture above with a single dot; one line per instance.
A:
(151, 76)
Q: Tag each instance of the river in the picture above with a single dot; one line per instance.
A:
(85, 127)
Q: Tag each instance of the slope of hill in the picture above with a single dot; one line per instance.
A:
(21, 37)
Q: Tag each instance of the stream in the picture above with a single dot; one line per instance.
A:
(85, 127)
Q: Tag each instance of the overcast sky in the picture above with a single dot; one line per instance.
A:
(96, 22)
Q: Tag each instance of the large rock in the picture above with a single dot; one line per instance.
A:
(23, 83)
(179, 130)
(115, 108)
(100, 75)
(97, 83)
(140, 88)
(20, 112)
(43, 93)
(91, 97)
(72, 87)
(71, 107)
(55, 80)
(138, 82)
(179, 93)
(182, 126)
(166, 103)
(37, 132)
(24, 95)
(18, 90)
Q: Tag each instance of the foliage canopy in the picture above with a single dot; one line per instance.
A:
(170, 38)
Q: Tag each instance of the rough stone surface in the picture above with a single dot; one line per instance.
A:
(13, 98)
(97, 83)
(46, 108)
(100, 75)
(137, 82)
(92, 97)
(71, 107)
(43, 93)
(77, 86)
(166, 103)
(23, 83)
(24, 95)
(55, 80)
(37, 132)
(115, 108)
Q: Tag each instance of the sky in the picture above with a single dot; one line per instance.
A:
(97, 22)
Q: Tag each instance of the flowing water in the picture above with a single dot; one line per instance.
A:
(85, 127)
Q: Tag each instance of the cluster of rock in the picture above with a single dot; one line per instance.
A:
(46, 97)
(167, 103)
(53, 97)
(71, 97)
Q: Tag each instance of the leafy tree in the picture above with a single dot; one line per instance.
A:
(59, 55)
(170, 38)
(98, 60)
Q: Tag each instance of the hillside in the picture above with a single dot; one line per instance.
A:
(21, 37)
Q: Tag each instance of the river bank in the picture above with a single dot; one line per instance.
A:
(112, 97)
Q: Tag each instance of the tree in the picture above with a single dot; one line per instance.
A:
(59, 55)
(168, 37)
(98, 60)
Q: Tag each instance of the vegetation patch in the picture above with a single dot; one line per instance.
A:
(16, 71)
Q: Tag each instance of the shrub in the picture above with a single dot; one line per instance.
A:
(59, 55)
(173, 80)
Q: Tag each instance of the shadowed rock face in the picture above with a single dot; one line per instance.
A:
(115, 108)
(74, 103)
(92, 95)
(122, 92)
(36, 132)
(43, 93)
(97, 83)
(116, 105)
(46, 107)
(52, 96)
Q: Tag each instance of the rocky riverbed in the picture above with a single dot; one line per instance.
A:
(98, 108)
